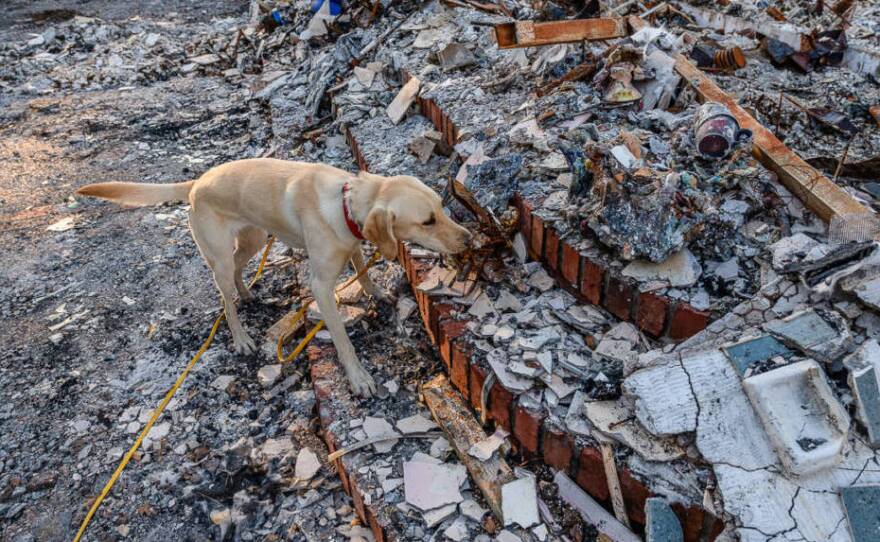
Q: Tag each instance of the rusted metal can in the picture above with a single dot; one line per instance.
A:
(716, 131)
(730, 59)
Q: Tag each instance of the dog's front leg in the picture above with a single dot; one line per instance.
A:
(361, 382)
(357, 261)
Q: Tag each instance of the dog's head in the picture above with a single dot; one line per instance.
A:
(407, 210)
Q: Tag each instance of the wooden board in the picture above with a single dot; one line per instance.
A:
(463, 431)
(532, 34)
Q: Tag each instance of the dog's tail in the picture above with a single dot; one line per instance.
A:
(138, 194)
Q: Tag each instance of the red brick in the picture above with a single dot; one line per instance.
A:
(358, 499)
(687, 321)
(619, 298)
(450, 330)
(691, 520)
(651, 313)
(438, 312)
(500, 402)
(551, 248)
(536, 243)
(460, 366)
(592, 279)
(591, 473)
(557, 447)
(343, 476)
(527, 428)
(634, 495)
(571, 261)
(477, 377)
(378, 535)
(525, 218)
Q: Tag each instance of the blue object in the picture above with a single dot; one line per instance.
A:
(278, 18)
(763, 348)
(335, 7)
(862, 505)
(662, 524)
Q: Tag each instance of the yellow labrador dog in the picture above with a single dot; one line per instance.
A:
(327, 211)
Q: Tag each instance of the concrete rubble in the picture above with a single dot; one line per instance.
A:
(700, 327)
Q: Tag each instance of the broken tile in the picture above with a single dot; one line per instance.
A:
(484, 449)
(307, 464)
(428, 485)
(862, 504)
(472, 510)
(415, 424)
(455, 55)
(458, 531)
(864, 381)
(519, 502)
(615, 419)
(746, 353)
(680, 269)
(661, 524)
(436, 516)
(808, 332)
(379, 427)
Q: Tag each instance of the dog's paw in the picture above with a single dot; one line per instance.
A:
(362, 384)
(245, 296)
(244, 344)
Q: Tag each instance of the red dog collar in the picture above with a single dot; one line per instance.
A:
(349, 221)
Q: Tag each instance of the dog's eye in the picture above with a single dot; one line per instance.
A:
(429, 222)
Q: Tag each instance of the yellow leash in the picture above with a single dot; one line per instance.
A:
(314, 331)
(168, 396)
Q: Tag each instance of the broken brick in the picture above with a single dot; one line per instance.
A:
(687, 321)
(536, 243)
(477, 377)
(460, 366)
(592, 280)
(590, 475)
(527, 428)
(619, 298)
(551, 248)
(500, 401)
(557, 447)
(571, 262)
(651, 313)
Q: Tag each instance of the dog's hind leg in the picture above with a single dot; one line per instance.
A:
(248, 242)
(216, 241)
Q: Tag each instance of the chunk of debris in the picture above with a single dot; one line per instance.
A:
(519, 501)
(379, 427)
(861, 504)
(404, 99)
(802, 417)
(679, 270)
(307, 464)
(661, 523)
(269, 374)
(864, 381)
(428, 486)
(415, 424)
(484, 449)
(592, 512)
(454, 56)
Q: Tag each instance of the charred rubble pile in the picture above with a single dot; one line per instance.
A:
(612, 148)
(694, 323)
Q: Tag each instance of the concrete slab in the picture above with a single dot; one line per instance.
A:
(664, 410)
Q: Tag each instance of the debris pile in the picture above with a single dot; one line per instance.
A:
(639, 192)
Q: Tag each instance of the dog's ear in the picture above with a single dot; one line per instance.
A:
(379, 230)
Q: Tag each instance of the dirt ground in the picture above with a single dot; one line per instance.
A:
(136, 300)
